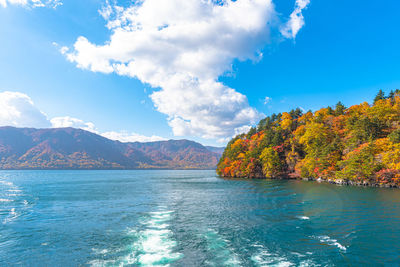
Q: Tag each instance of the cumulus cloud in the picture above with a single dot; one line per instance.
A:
(31, 3)
(17, 109)
(181, 48)
(125, 136)
(61, 122)
(296, 21)
(267, 99)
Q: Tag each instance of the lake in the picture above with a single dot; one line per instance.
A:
(192, 218)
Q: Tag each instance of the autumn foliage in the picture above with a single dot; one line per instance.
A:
(360, 144)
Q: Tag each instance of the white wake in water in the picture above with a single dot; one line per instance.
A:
(332, 242)
(153, 243)
(303, 217)
(264, 257)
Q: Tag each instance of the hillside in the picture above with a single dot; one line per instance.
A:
(356, 145)
(218, 150)
(69, 148)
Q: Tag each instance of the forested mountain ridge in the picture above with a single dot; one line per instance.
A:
(69, 148)
(357, 145)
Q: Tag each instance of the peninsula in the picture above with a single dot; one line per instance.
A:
(359, 145)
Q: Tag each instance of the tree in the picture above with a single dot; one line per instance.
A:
(287, 121)
(339, 109)
(296, 113)
(271, 163)
(391, 95)
(277, 139)
(379, 96)
(349, 143)
(251, 132)
(359, 164)
(394, 137)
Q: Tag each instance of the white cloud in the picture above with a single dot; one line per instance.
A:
(61, 122)
(64, 50)
(296, 21)
(32, 3)
(17, 109)
(267, 99)
(106, 11)
(182, 47)
(125, 136)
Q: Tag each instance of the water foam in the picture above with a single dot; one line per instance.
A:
(153, 243)
(266, 258)
(307, 263)
(303, 217)
(97, 251)
(332, 242)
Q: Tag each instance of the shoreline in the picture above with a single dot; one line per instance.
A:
(351, 183)
(320, 180)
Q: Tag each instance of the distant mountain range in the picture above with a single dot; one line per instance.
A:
(70, 148)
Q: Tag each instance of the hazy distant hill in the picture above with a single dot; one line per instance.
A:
(218, 150)
(69, 148)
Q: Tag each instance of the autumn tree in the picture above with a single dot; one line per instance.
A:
(271, 163)
(361, 142)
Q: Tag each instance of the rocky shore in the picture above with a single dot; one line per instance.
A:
(353, 183)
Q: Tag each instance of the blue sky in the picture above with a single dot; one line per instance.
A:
(345, 51)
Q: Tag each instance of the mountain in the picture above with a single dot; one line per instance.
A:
(215, 149)
(69, 148)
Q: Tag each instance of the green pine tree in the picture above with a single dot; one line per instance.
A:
(379, 96)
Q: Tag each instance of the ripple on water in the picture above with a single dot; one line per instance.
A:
(218, 247)
(9, 194)
(6, 183)
(11, 216)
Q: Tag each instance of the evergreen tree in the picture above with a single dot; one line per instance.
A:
(251, 132)
(379, 96)
(391, 95)
(339, 109)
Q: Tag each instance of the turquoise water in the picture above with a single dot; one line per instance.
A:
(191, 218)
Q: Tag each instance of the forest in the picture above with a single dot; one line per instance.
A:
(355, 145)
